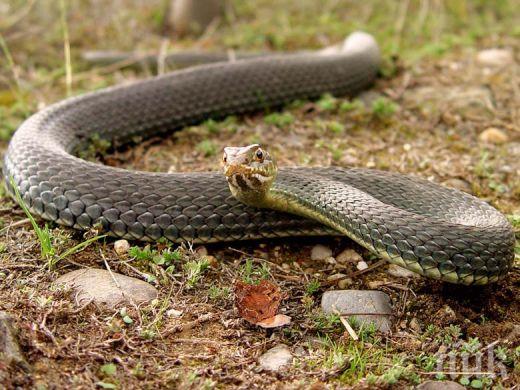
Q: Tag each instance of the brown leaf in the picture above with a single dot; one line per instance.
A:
(259, 302)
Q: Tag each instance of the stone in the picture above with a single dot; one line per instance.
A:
(98, 285)
(415, 325)
(349, 256)
(465, 101)
(493, 135)
(201, 251)
(10, 352)
(193, 16)
(354, 303)
(400, 272)
(276, 358)
(495, 57)
(320, 252)
(440, 385)
(121, 247)
(361, 265)
(458, 184)
(344, 283)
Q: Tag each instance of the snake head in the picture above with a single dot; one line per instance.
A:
(250, 172)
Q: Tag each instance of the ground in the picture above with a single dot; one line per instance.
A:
(424, 116)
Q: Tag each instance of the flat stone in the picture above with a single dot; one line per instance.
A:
(276, 358)
(98, 285)
(440, 385)
(458, 184)
(466, 101)
(320, 252)
(400, 272)
(495, 57)
(493, 135)
(355, 303)
(349, 256)
(10, 352)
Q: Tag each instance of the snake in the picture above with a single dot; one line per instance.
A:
(435, 231)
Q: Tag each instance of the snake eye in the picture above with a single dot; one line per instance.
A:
(259, 154)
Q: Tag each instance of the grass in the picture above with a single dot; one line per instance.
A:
(47, 249)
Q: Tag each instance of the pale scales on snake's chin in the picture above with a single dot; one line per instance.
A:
(438, 232)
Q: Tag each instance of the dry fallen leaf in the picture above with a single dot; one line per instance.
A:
(258, 303)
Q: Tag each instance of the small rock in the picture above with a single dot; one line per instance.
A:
(440, 385)
(98, 285)
(10, 352)
(201, 251)
(320, 252)
(493, 135)
(174, 313)
(344, 283)
(331, 260)
(446, 314)
(212, 260)
(362, 265)
(375, 284)
(414, 325)
(121, 247)
(400, 272)
(349, 256)
(458, 184)
(187, 16)
(375, 304)
(495, 57)
(276, 358)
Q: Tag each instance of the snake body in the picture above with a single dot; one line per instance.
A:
(462, 238)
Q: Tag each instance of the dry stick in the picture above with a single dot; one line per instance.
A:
(22, 222)
(345, 323)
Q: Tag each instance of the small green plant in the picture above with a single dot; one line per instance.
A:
(194, 270)
(252, 274)
(125, 317)
(96, 147)
(483, 168)
(426, 362)
(471, 346)
(326, 322)
(3, 248)
(347, 106)
(312, 287)
(451, 334)
(207, 148)
(217, 293)
(327, 102)
(383, 108)
(166, 258)
(336, 127)
(108, 369)
(279, 119)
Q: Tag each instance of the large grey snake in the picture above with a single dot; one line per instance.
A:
(436, 231)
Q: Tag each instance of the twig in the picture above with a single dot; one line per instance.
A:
(347, 326)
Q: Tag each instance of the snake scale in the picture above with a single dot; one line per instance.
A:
(438, 232)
